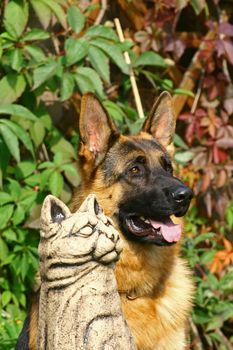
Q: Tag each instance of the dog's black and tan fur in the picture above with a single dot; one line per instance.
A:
(133, 181)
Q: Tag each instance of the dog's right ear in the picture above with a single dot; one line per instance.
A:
(97, 130)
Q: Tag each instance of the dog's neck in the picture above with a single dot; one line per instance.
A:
(140, 272)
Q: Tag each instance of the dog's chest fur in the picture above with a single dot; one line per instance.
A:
(156, 293)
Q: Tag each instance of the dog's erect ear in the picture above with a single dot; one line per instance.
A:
(96, 129)
(161, 121)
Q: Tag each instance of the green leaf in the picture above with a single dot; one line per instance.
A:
(65, 147)
(16, 17)
(1, 50)
(11, 87)
(11, 141)
(19, 215)
(76, 50)
(17, 59)
(178, 141)
(100, 62)
(5, 213)
(24, 169)
(33, 180)
(37, 132)
(150, 58)
(89, 81)
(85, 84)
(24, 266)
(27, 199)
(42, 11)
(70, 168)
(56, 183)
(22, 300)
(67, 86)
(113, 52)
(15, 189)
(75, 19)
(184, 92)
(201, 317)
(57, 10)
(207, 256)
(36, 34)
(5, 198)
(45, 165)
(20, 111)
(5, 297)
(35, 52)
(202, 237)
(44, 73)
(101, 32)
(20, 133)
(114, 110)
(10, 235)
(71, 175)
(44, 178)
(229, 215)
(5, 156)
(183, 157)
(198, 6)
(58, 159)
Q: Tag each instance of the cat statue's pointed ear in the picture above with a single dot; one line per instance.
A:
(91, 205)
(53, 211)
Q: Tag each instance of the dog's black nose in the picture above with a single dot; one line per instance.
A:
(182, 194)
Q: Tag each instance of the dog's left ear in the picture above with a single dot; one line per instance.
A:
(96, 128)
(161, 121)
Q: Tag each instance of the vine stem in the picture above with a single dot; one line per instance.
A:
(132, 76)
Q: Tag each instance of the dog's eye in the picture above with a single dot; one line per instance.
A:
(135, 170)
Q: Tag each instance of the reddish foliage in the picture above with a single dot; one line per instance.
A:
(171, 28)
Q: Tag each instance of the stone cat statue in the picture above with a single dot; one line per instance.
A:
(79, 307)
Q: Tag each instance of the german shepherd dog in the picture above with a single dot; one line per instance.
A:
(133, 180)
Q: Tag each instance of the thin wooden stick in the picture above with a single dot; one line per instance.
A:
(102, 12)
(132, 76)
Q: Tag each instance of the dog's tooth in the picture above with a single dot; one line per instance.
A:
(142, 218)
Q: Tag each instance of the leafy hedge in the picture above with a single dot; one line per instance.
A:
(51, 53)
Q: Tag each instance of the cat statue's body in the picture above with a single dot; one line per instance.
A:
(79, 307)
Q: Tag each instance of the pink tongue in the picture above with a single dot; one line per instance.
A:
(169, 231)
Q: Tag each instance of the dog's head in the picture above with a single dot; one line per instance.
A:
(132, 176)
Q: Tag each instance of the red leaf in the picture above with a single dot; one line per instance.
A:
(222, 156)
(228, 105)
(213, 92)
(189, 135)
(200, 112)
(229, 50)
(216, 154)
(208, 203)
(221, 179)
(225, 143)
(205, 181)
(186, 116)
(226, 28)
(209, 81)
(220, 48)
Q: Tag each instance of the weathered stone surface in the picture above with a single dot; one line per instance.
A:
(79, 303)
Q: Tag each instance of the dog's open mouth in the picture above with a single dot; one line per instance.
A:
(149, 230)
